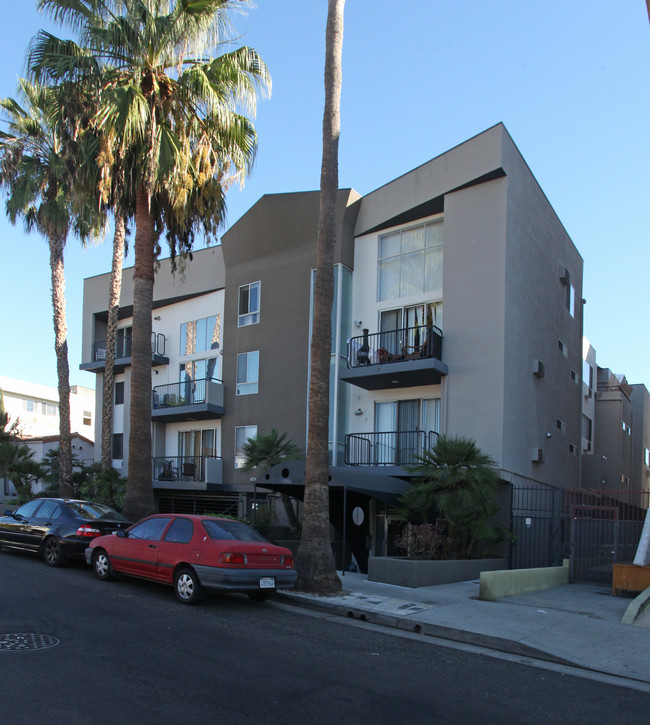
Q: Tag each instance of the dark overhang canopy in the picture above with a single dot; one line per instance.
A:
(289, 477)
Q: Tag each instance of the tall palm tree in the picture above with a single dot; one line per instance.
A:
(38, 158)
(314, 560)
(178, 116)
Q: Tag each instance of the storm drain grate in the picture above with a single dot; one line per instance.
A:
(27, 641)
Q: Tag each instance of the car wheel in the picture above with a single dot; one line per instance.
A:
(102, 565)
(260, 596)
(187, 586)
(53, 552)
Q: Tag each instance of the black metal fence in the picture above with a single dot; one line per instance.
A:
(593, 529)
(408, 343)
(390, 448)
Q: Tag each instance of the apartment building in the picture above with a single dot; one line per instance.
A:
(36, 406)
(457, 310)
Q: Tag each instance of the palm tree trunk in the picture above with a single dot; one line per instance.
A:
(138, 500)
(111, 335)
(314, 560)
(57, 244)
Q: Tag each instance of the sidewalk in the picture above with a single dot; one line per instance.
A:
(574, 624)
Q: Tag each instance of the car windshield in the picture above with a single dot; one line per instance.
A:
(95, 511)
(226, 530)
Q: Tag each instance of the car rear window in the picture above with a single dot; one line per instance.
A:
(95, 511)
(225, 530)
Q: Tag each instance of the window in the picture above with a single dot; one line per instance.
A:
(403, 430)
(49, 510)
(123, 342)
(150, 530)
(249, 304)
(410, 262)
(571, 299)
(572, 448)
(118, 442)
(29, 406)
(560, 425)
(409, 328)
(29, 509)
(180, 532)
(588, 376)
(563, 348)
(48, 409)
(587, 431)
(646, 457)
(204, 369)
(200, 335)
(248, 364)
(119, 393)
(242, 434)
(87, 418)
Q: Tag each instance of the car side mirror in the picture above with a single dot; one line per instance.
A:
(8, 512)
(121, 533)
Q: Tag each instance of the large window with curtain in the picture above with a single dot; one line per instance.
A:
(410, 261)
(404, 428)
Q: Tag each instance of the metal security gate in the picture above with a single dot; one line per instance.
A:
(535, 526)
(593, 529)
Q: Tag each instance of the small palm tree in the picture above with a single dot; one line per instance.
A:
(268, 450)
(457, 483)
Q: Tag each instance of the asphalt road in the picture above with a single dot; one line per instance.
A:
(128, 652)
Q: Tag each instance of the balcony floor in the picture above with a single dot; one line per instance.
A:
(402, 374)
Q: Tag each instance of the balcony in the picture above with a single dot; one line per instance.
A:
(395, 359)
(195, 473)
(189, 400)
(123, 354)
(391, 448)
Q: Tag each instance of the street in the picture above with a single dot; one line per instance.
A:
(127, 652)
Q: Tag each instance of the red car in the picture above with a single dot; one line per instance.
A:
(193, 552)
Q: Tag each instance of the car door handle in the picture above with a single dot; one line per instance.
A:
(152, 546)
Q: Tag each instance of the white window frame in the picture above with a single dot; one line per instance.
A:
(249, 384)
(248, 431)
(249, 316)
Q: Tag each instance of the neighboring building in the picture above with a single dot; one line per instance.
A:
(457, 310)
(36, 406)
(618, 459)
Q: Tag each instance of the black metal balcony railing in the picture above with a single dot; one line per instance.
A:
(189, 392)
(180, 468)
(391, 448)
(123, 347)
(408, 343)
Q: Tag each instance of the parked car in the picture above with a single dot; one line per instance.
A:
(193, 552)
(57, 528)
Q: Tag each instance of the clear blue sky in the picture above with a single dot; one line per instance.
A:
(570, 80)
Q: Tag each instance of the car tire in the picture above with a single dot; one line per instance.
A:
(260, 596)
(102, 565)
(187, 586)
(53, 552)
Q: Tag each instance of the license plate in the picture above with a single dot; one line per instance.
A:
(267, 582)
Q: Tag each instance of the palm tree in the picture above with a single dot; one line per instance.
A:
(268, 450)
(314, 560)
(457, 485)
(38, 158)
(177, 117)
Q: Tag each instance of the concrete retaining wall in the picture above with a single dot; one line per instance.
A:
(497, 584)
(418, 573)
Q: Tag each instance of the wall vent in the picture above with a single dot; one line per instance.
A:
(538, 368)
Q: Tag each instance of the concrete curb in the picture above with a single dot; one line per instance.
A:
(428, 629)
(636, 607)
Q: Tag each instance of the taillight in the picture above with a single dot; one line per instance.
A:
(87, 532)
(288, 560)
(231, 557)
